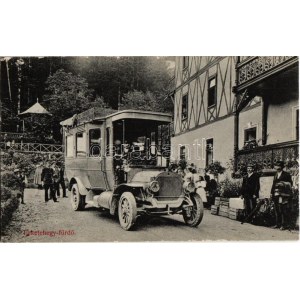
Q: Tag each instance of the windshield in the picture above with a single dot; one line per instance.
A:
(141, 142)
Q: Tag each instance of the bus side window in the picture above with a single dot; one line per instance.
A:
(69, 146)
(80, 144)
(95, 142)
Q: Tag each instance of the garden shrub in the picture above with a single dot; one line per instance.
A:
(9, 180)
(229, 188)
(5, 194)
(7, 208)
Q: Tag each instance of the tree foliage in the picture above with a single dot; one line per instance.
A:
(67, 94)
(68, 85)
(144, 101)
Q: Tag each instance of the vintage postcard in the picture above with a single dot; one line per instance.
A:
(146, 148)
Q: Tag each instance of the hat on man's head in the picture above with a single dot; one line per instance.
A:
(279, 163)
(250, 164)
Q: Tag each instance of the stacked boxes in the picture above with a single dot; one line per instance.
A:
(214, 209)
(217, 201)
(224, 207)
(236, 214)
(236, 208)
(232, 208)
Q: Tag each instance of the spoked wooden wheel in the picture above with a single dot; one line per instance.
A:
(127, 210)
(193, 215)
(77, 200)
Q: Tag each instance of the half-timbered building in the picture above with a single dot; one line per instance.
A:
(235, 109)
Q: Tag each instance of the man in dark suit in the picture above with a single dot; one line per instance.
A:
(60, 180)
(280, 203)
(48, 182)
(250, 188)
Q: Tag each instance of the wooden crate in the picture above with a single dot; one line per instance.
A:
(236, 214)
(224, 199)
(217, 201)
(214, 210)
(223, 203)
(224, 211)
(224, 214)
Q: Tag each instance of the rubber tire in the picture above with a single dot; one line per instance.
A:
(198, 211)
(132, 210)
(78, 204)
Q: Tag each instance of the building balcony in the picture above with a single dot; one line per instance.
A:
(266, 156)
(252, 70)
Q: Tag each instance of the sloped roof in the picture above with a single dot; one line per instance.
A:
(36, 108)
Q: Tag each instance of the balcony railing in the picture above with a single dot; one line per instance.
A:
(12, 135)
(266, 156)
(255, 68)
(31, 147)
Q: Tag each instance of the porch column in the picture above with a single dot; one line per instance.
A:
(236, 138)
(236, 118)
(265, 106)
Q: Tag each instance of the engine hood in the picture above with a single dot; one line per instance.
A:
(144, 177)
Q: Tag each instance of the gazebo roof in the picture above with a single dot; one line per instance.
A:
(36, 108)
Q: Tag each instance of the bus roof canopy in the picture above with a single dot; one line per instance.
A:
(97, 113)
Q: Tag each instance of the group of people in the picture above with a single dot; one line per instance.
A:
(250, 193)
(206, 187)
(51, 178)
(280, 194)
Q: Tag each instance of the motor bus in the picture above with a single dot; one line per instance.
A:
(118, 161)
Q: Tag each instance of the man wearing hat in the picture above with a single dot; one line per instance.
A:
(250, 188)
(280, 207)
(48, 182)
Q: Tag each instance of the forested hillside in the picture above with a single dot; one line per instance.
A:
(68, 85)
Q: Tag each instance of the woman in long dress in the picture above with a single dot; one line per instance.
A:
(200, 184)
(37, 179)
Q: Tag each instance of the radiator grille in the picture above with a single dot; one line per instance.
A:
(170, 186)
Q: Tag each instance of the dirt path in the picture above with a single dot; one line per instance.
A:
(37, 221)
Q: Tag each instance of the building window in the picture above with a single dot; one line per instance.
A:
(209, 151)
(184, 107)
(80, 144)
(95, 142)
(250, 134)
(212, 91)
(182, 152)
(250, 138)
(185, 62)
